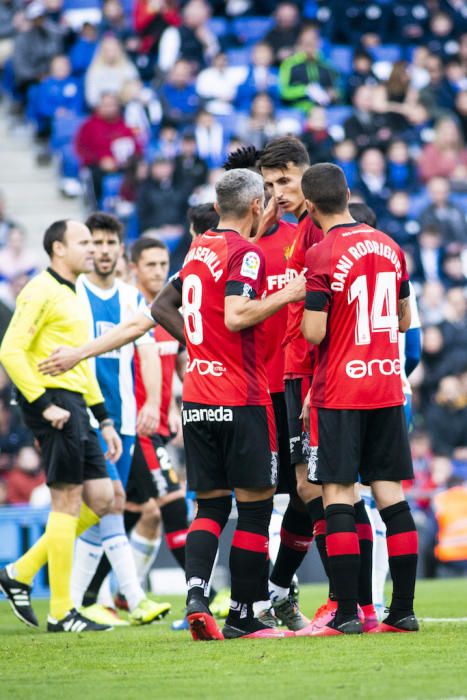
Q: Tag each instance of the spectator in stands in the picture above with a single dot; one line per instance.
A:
(193, 41)
(441, 36)
(25, 476)
(429, 255)
(13, 435)
(305, 79)
(361, 127)
(447, 419)
(260, 126)
(345, 156)
(83, 50)
(397, 221)
(389, 117)
(168, 142)
(104, 143)
(316, 137)
(441, 212)
(419, 76)
(161, 204)
(362, 72)
(35, 46)
(217, 85)
(283, 37)
(16, 258)
(409, 21)
(447, 155)
(209, 136)
(438, 95)
(8, 10)
(5, 222)
(454, 326)
(179, 99)
(109, 70)
(453, 269)
(190, 170)
(150, 19)
(142, 110)
(461, 112)
(402, 173)
(373, 182)
(420, 126)
(114, 21)
(398, 83)
(259, 76)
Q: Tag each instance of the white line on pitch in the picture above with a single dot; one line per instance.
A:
(444, 619)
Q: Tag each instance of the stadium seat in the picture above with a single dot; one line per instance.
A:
(341, 58)
(310, 9)
(418, 202)
(249, 30)
(239, 57)
(21, 526)
(64, 130)
(219, 26)
(81, 4)
(459, 199)
(338, 114)
(386, 52)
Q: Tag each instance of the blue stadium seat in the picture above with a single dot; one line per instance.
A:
(418, 202)
(460, 199)
(218, 26)
(21, 526)
(81, 4)
(341, 58)
(338, 114)
(289, 113)
(239, 57)
(64, 129)
(310, 9)
(386, 52)
(249, 30)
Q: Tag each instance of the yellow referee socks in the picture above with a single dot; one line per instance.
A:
(25, 568)
(61, 533)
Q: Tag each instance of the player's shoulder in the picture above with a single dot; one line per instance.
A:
(321, 250)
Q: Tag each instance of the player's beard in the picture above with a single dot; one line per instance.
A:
(107, 273)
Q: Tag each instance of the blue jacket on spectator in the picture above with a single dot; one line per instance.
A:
(179, 105)
(54, 94)
(248, 90)
(81, 55)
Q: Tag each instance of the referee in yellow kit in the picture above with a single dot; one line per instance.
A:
(48, 313)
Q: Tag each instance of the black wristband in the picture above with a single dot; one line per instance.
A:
(99, 412)
(42, 402)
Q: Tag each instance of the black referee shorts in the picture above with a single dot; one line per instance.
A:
(71, 455)
(152, 474)
(229, 447)
(346, 444)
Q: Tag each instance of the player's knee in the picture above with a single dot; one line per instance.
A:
(102, 500)
(306, 491)
(387, 493)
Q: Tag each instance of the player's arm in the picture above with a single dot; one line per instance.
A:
(151, 374)
(404, 312)
(65, 358)
(242, 310)
(165, 309)
(317, 299)
(314, 325)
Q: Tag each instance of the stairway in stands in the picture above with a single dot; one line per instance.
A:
(31, 191)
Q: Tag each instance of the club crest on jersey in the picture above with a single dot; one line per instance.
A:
(250, 265)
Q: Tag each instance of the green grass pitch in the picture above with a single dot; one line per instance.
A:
(153, 662)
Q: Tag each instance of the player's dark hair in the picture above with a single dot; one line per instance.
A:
(325, 185)
(244, 157)
(363, 213)
(279, 152)
(55, 232)
(100, 221)
(145, 243)
(203, 218)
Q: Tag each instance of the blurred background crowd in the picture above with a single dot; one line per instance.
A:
(138, 102)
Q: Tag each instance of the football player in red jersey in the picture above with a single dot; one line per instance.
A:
(282, 164)
(357, 301)
(227, 415)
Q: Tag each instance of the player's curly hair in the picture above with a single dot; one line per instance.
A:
(243, 157)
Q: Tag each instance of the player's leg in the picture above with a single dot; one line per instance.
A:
(387, 463)
(367, 610)
(145, 538)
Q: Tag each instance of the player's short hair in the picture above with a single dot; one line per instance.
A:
(279, 152)
(203, 217)
(100, 221)
(363, 214)
(236, 190)
(145, 243)
(55, 232)
(325, 185)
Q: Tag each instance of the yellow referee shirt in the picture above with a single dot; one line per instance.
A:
(48, 314)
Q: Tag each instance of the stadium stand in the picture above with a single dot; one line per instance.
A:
(392, 111)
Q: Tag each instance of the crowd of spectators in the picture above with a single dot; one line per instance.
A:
(140, 101)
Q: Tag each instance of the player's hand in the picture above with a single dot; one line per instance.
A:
(175, 421)
(113, 442)
(56, 415)
(269, 218)
(305, 414)
(148, 419)
(295, 290)
(60, 360)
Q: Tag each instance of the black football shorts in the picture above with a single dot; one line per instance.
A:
(295, 392)
(70, 455)
(348, 445)
(287, 480)
(152, 474)
(229, 447)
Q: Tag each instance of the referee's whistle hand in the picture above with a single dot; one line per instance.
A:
(60, 360)
(113, 442)
(56, 416)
